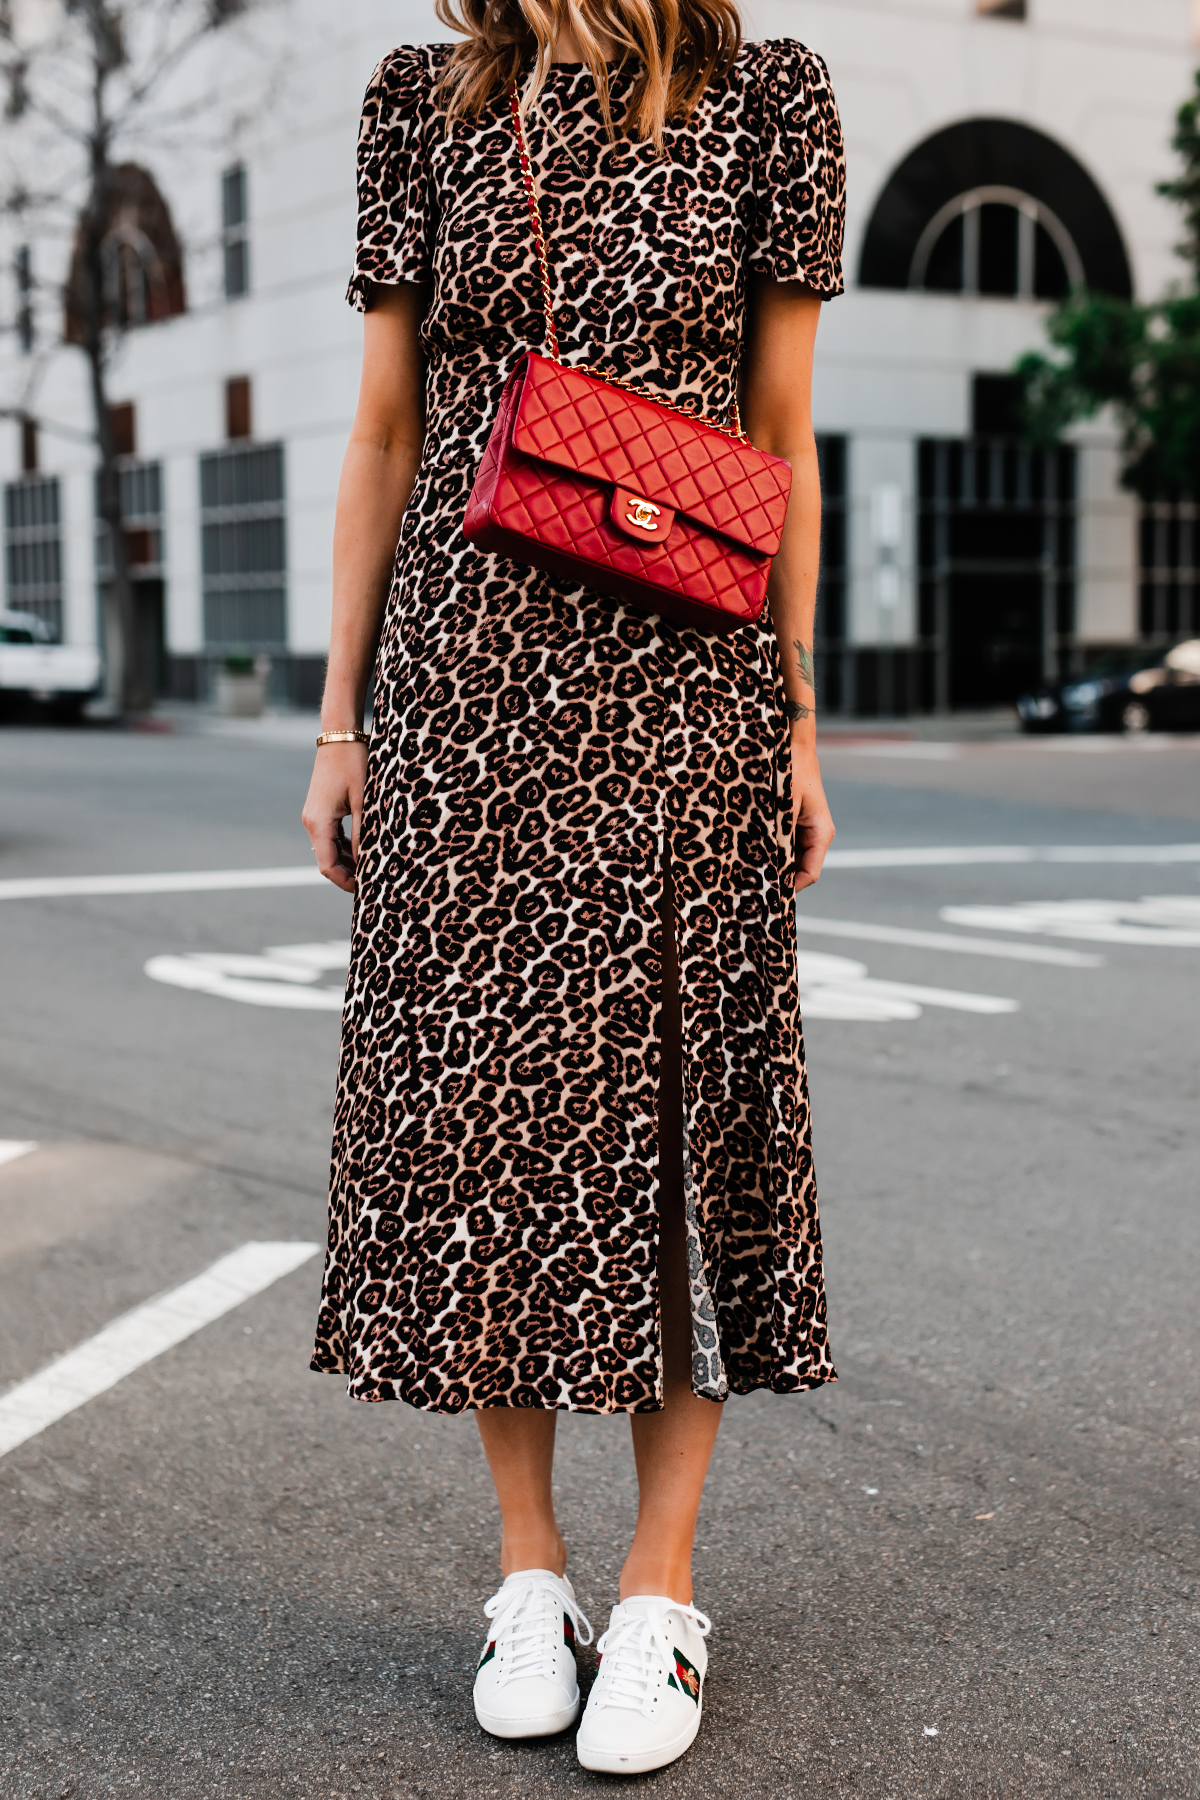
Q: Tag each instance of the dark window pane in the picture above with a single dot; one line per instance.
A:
(996, 406)
(233, 196)
(245, 616)
(238, 419)
(945, 272)
(1050, 280)
(237, 268)
(998, 249)
(243, 545)
(123, 425)
(33, 550)
(831, 454)
(996, 537)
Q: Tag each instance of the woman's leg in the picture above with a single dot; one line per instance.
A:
(519, 1445)
(672, 1447)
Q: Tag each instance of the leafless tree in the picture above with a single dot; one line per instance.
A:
(85, 79)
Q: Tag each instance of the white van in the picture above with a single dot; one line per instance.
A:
(34, 667)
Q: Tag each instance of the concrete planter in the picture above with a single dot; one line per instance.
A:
(240, 696)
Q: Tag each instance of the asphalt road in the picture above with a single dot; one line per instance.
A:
(968, 1569)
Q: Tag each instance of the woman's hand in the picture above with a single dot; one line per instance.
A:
(335, 793)
(378, 473)
(812, 823)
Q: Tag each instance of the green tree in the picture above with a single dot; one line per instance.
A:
(1143, 360)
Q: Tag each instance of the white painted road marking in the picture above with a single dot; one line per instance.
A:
(11, 1148)
(188, 881)
(941, 940)
(950, 856)
(141, 1335)
(835, 987)
(1170, 921)
(210, 881)
(282, 976)
(1092, 746)
(917, 752)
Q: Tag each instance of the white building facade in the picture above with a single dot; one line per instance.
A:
(998, 150)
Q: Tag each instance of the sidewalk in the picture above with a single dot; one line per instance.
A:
(288, 726)
(997, 725)
(279, 727)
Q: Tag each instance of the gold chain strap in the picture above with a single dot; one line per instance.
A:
(535, 213)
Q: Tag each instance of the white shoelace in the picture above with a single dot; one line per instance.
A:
(527, 1625)
(628, 1674)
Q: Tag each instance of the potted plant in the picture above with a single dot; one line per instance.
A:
(241, 688)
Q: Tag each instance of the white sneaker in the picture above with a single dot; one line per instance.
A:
(525, 1685)
(645, 1708)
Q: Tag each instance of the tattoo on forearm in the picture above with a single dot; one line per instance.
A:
(804, 662)
(795, 709)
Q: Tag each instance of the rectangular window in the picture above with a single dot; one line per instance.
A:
(33, 559)
(996, 548)
(244, 548)
(239, 422)
(142, 516)
(1002, 9)
(996, 402)
(1170, 580)
(122, 422)
(829, 636)
(234, 232)
(23, 270)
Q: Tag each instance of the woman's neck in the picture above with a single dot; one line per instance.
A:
(567, 48)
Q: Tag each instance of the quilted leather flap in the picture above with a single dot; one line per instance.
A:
(573, 421)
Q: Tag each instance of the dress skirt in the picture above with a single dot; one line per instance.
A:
(539, 756)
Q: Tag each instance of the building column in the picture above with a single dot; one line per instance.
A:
(882, 606)
(81, 608)
(181, 530)
(1106, 594)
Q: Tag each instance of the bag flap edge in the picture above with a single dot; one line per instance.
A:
(765, 544)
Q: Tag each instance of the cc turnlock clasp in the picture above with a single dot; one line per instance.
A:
(640, 518)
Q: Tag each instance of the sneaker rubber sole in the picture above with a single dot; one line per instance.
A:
(638, 1762)
(544, 1725)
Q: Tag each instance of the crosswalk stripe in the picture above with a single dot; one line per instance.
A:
(945, 940)
(207, 881)
(139, 1336)
(963, 856)
(185, 881)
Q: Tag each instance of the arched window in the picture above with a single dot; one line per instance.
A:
(993, 207)
(141, 260)
(998, 241)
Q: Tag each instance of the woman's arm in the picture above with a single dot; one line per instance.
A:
(378, 473)
(777, 413)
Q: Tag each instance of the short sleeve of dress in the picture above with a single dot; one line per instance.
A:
(394, 215)
(801, 215)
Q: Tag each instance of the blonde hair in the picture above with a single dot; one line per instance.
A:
(678, 47)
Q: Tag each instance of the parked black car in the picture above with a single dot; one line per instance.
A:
(1122, 693)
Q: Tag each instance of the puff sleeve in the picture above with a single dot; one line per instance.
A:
(394, 213)
(801, 213)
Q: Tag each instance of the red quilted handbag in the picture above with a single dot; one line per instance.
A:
(614, 490)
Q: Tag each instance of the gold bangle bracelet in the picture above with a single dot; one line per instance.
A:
(342, 737)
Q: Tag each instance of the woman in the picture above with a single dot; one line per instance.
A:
(571, 1162)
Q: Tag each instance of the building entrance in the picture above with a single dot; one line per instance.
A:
(150, 621)
(997, 569)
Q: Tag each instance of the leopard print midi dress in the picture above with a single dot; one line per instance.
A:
(537, 753)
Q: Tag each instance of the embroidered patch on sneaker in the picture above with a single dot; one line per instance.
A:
(568, 1632)
(488, 1654)
(686, 1677)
